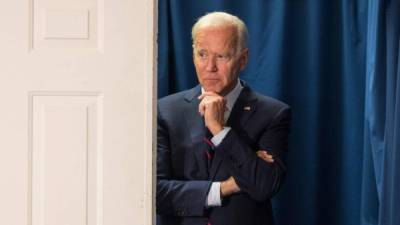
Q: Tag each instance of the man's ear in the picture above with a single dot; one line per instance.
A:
(243, 58)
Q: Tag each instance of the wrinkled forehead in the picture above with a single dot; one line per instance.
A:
(224, 35)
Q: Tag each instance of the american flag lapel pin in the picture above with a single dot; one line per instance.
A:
(247, 108)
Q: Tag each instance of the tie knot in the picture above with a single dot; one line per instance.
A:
(208, 142)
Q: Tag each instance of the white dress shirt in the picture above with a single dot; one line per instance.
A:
(214, 195)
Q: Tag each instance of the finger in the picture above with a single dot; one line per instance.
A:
(269, 160)
(216, 99)
(221, 106)
(269, 156)
(265, 156)
(202, 108)
(212, 97)
(213, 102)
(262, 152)
(201, 96)
(205, 103)
(266, 152)
(209, 93)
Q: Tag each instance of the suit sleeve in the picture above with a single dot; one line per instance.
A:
(176, 197)
(254, 176)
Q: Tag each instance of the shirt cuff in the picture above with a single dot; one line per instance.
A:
(214, 195)
(218, 138)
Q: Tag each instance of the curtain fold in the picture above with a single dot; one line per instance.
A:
(336, 64)
(382, 199)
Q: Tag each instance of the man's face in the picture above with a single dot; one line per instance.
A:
(216, 60)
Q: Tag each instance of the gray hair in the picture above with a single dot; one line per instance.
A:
(220, 19)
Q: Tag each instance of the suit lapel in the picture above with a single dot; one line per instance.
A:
(195, 125)
(240, 114)
(243, 109)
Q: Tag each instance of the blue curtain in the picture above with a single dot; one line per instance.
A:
(381, 185)
(336, 63)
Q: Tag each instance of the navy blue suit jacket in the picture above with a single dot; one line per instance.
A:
(184, 176)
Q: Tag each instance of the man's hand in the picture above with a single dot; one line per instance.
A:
(265, 156)
(229, 187)
(212, 107)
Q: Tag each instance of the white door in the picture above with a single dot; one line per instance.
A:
(76, 95)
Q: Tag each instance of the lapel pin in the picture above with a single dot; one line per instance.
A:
(247, 108)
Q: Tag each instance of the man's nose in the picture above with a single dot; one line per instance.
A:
(212, 64)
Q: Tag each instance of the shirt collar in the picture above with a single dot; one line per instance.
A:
(232, 96)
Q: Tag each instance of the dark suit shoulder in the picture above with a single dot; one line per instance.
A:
(173, 98)
(173, 107)
(179, 96)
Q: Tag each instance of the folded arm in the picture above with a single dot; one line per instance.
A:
(253, 174)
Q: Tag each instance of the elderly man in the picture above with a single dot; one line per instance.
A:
(221, 146)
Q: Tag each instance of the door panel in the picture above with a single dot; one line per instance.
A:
(76, 90)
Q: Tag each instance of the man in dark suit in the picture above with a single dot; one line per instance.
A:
(221, 146)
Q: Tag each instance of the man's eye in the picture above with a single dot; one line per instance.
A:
(223, 57)
(202, 55)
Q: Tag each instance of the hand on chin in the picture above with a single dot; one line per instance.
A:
(212, 88)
